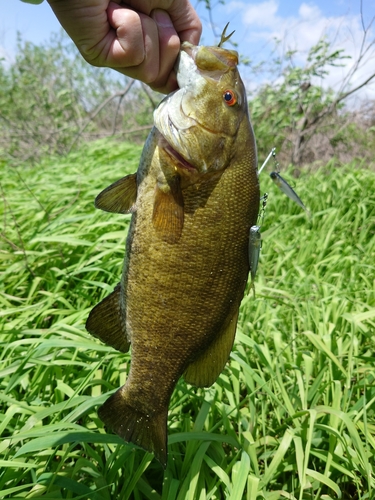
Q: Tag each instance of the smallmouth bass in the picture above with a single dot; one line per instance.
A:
(194, 198)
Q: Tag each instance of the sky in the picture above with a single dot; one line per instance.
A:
(297, 24)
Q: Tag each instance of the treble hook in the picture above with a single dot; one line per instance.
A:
(223, 37)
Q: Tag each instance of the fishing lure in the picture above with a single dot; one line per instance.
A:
(255, 242)
(255, 245)
(287, 189)
(280, 182)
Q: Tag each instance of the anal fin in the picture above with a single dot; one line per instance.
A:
(134, 426)
(105, 322)
(119, 197)
(207, 367)
(168, 213)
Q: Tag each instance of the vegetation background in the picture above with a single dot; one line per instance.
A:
(293, 414)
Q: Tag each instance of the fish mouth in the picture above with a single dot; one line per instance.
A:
(173, 125)
(175, 155)
(210, 62)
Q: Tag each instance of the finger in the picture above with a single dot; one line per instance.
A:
(169, 46)
(127, 45)
(135, 50)
(186, 21)
(169, 86)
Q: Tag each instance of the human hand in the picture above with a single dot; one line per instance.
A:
(140, 39)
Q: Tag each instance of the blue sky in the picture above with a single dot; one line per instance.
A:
(249, 18)
(299, 24)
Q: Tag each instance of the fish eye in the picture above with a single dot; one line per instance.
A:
(230, 97)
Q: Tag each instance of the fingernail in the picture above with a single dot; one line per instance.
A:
(162, 18)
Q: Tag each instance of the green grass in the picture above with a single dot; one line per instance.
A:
(291, 416)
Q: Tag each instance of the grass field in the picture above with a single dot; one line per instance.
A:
(292, 415)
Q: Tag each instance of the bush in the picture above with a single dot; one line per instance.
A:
(50, 98)
(304, 120)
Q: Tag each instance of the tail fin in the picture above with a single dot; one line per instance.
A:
(147, 431)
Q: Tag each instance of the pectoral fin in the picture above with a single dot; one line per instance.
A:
(105, 322)
(168, 213)
(119, 197)
(204, 371)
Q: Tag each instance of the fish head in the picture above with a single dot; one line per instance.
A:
(200, 122)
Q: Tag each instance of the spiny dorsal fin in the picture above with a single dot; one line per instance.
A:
(204, 371)
(105, 322)
(119, 197)
(225, 38)
(168, 213)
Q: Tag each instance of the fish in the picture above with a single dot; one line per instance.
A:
(287, 189)
(193, 200)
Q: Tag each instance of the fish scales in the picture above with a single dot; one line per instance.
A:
(165, 268)
(186, 262)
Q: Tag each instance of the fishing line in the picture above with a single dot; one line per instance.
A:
(272, 153)
(276, 163)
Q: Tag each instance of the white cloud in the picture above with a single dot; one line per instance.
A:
(261, 14)
(299, 31)
(309, 12)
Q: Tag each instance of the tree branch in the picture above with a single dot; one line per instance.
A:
(120, 93)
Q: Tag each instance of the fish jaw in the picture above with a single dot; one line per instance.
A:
(213, 60)
(197, 121)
